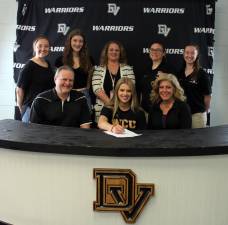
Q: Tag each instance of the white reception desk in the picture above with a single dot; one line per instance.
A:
(45, 179)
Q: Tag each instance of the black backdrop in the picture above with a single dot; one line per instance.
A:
(136, 23)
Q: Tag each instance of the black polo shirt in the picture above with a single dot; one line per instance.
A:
(195, 88)
(48, 108)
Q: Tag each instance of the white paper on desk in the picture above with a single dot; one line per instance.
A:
(127, 133)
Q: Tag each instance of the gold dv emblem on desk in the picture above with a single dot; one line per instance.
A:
(117, 190)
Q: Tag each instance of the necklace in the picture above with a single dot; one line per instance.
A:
(165, 107)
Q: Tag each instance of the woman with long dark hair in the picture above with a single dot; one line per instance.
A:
(76, 55)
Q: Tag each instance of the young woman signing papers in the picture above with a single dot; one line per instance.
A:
(123, 112)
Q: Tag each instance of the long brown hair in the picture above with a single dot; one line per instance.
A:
(84, 58)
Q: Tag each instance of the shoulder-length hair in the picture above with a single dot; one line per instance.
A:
(84, 58)
(115, 102)
(104, 53)
(178, 90)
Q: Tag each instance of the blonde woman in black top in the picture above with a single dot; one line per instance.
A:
(123, 111)
(169, 110)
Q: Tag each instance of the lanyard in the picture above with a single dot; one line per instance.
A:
(113, 78)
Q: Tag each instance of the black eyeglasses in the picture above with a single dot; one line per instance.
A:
(156, 50)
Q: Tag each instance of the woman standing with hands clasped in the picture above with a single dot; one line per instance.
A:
(168, 111)
(123, 111)
(35, 77)
(112, 67)
(197, 86)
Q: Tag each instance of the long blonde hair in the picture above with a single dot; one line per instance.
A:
(115, 102)
(178, 90)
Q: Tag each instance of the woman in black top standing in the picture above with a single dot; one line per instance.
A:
(169, 110)
(76, 55)
(197, 86)
(158, 63)
(35, 77)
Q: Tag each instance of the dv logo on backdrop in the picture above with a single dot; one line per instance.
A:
(211, 51)
(209, 10)
(163, 29)
(24, 9)
(118, 191)
(113, 8)
(63, 28)
(16, 46)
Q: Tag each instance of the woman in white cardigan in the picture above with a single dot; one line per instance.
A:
(112, 67)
